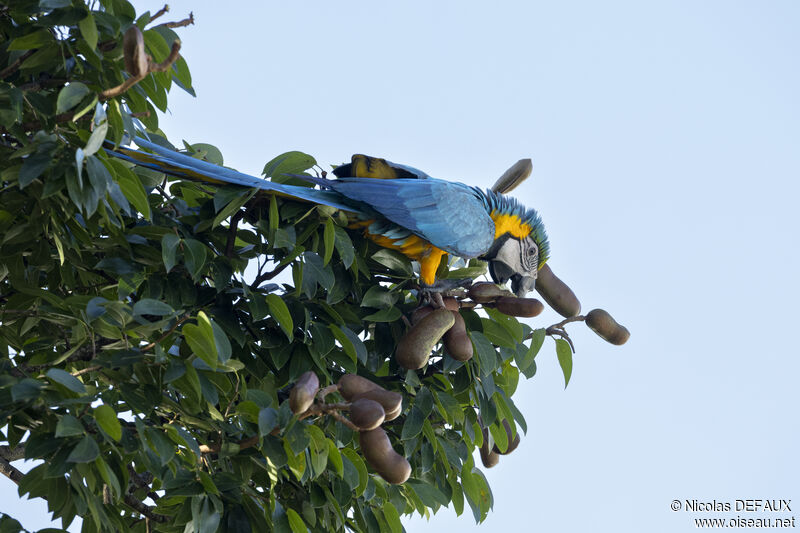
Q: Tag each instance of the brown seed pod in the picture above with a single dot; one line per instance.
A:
(489, 457)
(415, 346)
(392, 402)
(512, 444)
(351, 385)
(366, 414)
(556, 293)
(451, 303)
(133, 51)
(602, 323)
(391, 415)
(486, 292)
(524, 307)
(421, 312)
(456, 341)
(302, 395)
(377, 450)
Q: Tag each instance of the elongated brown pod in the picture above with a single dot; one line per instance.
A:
(486, 291)
(377, 450)
(556, 293)
(512, 443)
(366, 414)
(392, 402)
(489, 457)
(602, 323)
(457, 341)
(522, 307)
(351, 385)
(302, 395)
(133, 52)
(416, 345)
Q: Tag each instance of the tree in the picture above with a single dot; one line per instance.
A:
(151, 378)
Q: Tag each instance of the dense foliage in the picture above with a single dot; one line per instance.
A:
(147, 348)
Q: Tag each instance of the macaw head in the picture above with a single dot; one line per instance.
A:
(520, 245)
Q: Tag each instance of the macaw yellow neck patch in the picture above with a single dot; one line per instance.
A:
(513, 224)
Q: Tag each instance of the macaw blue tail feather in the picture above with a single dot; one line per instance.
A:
(184, 166)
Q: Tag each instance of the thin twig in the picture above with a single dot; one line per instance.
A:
(180, 23)
(232, 233)
(331, 409)
(152, 67)
(12, 68)
(169, 332)
(243, 444)
(86, 370)
(144, 510)
(268, 275)
(160, 12)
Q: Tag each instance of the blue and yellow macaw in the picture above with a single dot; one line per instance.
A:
(401, 208)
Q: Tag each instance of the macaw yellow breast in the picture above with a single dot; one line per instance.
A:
(413, 247)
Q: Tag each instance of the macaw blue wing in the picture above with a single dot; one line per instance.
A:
(451, 216)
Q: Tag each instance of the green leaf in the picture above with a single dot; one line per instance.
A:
(70, 96)
(37, 39)
(413, 424)
(385, 315)
(148, 306)
(195, 254)
(89, 30)
(484, 351)
(295, 522)
(525, 361)
(288, 163)
(363, 473)
(329, 238)
(132, 188)
(392, 517)
(564, 353)
(380, 297)
(26, 389)
(107, 420)
(267, 420)
(169, 247)
(85, 452)
(69, 426)
(278, 309)
(209, 152)
(201, 339)
(335, 458)
(67, 380)
(96, 139)
(32, 167)
(394, 261)
(344, 246)
(428, 493)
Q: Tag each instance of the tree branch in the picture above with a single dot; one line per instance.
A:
(12, 454)
(143, 509)
(10, 471)
(12, 68)
(232, 233)
(169, 332)
(180, 23)
(152, 67)
(160, 12)
(268, 275)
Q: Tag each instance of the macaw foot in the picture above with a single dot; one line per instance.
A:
(432, 294)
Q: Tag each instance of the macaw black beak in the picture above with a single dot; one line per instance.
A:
(522, 285)
(500, 271)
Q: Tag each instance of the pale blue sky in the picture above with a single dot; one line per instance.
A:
(665, 138)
